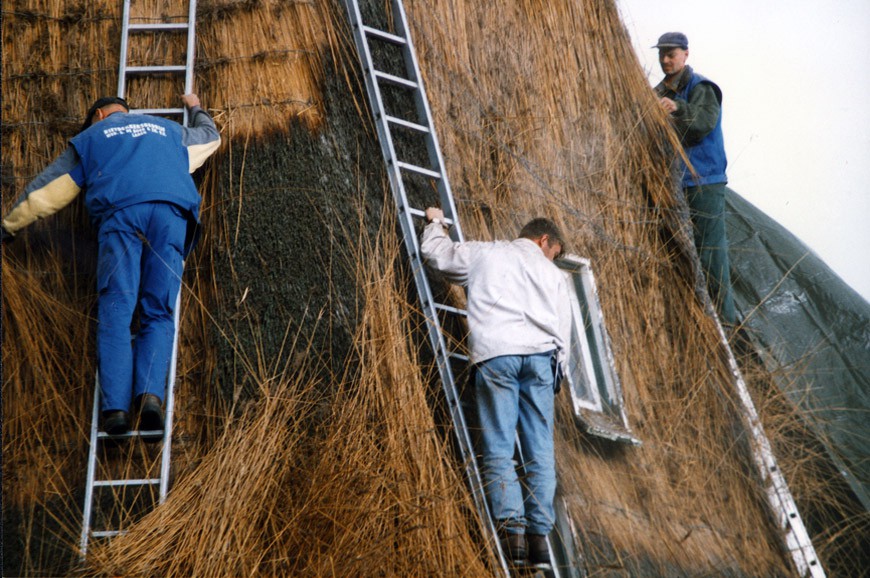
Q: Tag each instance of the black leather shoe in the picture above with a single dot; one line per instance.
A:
(115, 422)
(514, 547)
(539, 551)
(150, 412)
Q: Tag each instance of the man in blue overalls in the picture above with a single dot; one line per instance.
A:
(135, 171)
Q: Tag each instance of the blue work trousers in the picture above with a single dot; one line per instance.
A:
(707, 211)
(514, 396)
(140, 263)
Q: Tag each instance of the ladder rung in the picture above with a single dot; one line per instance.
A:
(449, 309)
(107, 533)
(422, 215)
(155, 69)
(406, 124)
(148, 433)
(385, 36)
(416, 169)
(416, 213)
(157, 110)
(458, 356)
(392, 79)
(114, 483)
(161, 27)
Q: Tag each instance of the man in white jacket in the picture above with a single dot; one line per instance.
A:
(519, 328)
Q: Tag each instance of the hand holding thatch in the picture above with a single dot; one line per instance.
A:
(190, 100)
(669, 105)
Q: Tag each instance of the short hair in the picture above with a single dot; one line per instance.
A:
(100, 103)
(537, 228)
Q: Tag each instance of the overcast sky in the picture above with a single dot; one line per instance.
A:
(795, 76)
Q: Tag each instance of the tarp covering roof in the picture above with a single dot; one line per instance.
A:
(812, 331)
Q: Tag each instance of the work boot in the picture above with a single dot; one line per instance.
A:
(150, 413)
(514, 547)
(539, 552)
(115, 422)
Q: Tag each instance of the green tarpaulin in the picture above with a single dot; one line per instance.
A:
(813, 332)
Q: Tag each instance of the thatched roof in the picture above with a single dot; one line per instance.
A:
(307, 442)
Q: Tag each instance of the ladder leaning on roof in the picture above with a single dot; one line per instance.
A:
(793, 532)
(404, 174)
(96, 436)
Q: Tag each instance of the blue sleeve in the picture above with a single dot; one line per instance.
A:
(202, 129)
(201, 139)
(67, 163)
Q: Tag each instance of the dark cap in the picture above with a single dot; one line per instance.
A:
(673, 40)
(101, 102)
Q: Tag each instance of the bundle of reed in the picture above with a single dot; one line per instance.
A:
(266, 69)
(44, 346)
(55, 64)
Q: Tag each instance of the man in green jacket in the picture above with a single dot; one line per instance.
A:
(695, 105)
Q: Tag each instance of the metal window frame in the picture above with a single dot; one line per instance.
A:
(603, 412)
(586, 394)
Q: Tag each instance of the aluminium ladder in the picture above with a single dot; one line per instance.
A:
(97, 437)
(784, 510)
(370, 39)
(125, 71)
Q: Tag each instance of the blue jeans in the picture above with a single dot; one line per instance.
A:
(515, 396)
(140, 263)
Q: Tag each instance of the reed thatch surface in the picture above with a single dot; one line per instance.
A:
(306, 443)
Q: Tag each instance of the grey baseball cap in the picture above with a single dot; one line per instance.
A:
(673, 40)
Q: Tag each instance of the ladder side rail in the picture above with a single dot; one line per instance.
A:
(407, 226)
(423, 289)
(125, 36)
(565, 552)
(91, 482)
(91, 473)
(191, 50)
(374, 93)
(783, 507)
(425, 111)
(165, 461)
(170, 402)
(439, 346)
